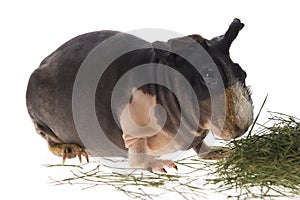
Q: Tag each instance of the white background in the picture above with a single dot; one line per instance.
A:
(267, 48)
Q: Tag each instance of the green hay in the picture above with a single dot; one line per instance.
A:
(264, 164)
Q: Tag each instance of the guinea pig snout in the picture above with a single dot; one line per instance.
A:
(236, 113)
(239, 110)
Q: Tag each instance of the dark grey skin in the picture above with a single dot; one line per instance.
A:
(50, 90)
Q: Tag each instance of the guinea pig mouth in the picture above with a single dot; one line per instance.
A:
(227, 133)
(222, 134)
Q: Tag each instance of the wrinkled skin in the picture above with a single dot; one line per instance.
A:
(49, 99)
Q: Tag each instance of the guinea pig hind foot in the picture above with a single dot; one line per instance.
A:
(68, 151)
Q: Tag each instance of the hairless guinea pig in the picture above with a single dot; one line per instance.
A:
(108, 93)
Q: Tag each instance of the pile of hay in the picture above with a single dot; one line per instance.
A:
(265, 163)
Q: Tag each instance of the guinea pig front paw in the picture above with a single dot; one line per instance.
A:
(159, 165)
(216, 154)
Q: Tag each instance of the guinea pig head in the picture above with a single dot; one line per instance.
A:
(235, 100)
(224, 99)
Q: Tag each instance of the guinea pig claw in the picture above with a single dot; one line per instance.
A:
(162, 170)
(153, 170)
(79, 157)
(86, 155)
(176, 167)
(172, 165)
(64, 159)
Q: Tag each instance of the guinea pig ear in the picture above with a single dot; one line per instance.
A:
(181, 43)
(232, 32)
(162, 50)
(223, 42)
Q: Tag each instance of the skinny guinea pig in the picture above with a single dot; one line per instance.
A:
(108, 93)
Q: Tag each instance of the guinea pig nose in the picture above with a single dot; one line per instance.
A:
(239, 131)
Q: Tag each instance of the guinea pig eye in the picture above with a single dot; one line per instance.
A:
(178, 59)
(209, 77)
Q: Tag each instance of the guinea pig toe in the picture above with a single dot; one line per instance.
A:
(84, 153)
